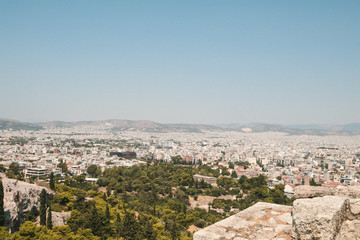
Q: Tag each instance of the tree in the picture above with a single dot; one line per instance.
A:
(49, 219)
(93, 170)
(234, 174)
(43, 207)
(63, 166)
(130, 226)
(52, 181)
(95, 227)
(231, 165)
(2, 216)
(118, 225)
(14, 167)
(107, 214)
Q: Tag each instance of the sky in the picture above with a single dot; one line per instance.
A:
(205, 61)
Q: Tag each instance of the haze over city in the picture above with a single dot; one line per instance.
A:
(181, 61)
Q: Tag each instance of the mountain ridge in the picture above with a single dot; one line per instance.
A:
(151, 126)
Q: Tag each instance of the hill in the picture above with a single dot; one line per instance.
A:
(17, 125)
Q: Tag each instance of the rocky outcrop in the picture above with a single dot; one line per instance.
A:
(59, 218)
(315, 191)
(20, 199)
(261, 221)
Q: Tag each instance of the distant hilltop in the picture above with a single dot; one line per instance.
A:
(150, 126)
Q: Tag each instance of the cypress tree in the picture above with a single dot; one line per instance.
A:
(118, 225)
(94, 224)
(52, 181)
(49, 219)
(43, 207)
(130, 226)
(2, 216)
(107, 214)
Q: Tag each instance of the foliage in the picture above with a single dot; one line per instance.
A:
(148, 202)
(2, 215)
(43, 207)
(52, 181)
(49, 219)
(93, 170)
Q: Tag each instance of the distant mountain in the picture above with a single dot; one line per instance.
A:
(142, 125)
(150, 126)
(17, 125)
(302, 130)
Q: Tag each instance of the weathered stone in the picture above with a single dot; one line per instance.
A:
(20, 198)
(354, 206)
(318, 218)
(349, 230)
(318, 191)
(347, 191)
(261, 221)
(304, 191)
(59, 218)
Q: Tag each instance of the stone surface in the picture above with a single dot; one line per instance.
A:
(304, 191)
(354, 206)
(318, 218)
(349, 230)
(59, 218)
(261, 221)
(19, 199)
(317, 191)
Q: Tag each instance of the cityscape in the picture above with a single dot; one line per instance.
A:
(179, 120)
(285, 159)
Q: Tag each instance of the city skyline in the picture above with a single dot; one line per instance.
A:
(181, 62)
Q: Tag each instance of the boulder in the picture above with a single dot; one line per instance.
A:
(260, 221)
(318, 218)
(305, 191)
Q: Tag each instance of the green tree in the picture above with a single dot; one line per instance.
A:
(49, 219)
(43, 207)
(2, 216)
(93, 170)
(63, 166)
(231, 165)
(107, 214)
(130, 226)
(52, 181)
(14, 167)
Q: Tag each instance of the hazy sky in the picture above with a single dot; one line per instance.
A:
(181, 61)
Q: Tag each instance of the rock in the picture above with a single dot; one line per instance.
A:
(304, 191)
(349, 230)
(260, 221)
(318, 191)
(59, 218)
(20, 198)
(347, 191)
(354, 206)
(318, 218)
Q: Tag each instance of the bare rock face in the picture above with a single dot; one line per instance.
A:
(318, 218)
(59, 218)
(261, 221)
(20, 198)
